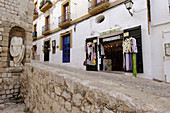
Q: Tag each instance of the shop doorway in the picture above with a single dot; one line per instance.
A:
(91, 54)
(112, 59)
(66, 49)
(46, 50)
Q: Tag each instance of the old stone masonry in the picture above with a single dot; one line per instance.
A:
(16, 18)
(50, 88)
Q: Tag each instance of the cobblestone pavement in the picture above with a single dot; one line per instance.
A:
(13, 108)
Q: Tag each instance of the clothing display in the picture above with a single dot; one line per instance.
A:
(102, 49)
(91, 59)
(129, 52)
(127, 61)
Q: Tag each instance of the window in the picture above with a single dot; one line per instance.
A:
(47, 22)
(99, 2)
(66, 12)
(35, 27)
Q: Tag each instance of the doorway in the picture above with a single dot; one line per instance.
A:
(91, 54)
(66, 48)
(46, 50)
(111, 53)
(114, 53)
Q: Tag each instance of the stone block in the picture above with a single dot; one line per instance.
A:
(1, 29)
(66, 95)
(9, 74)
(5, 48)
(52, 95)
(0, 49)
(4, 59)
(56, 107)
(68, 106)
(2, 70)
(2, 106)
(11, 86)
(0, 37)
(9, 96)
(3, 96)
(4, 75)
(63, 110)
(2, 92)
(12, 91)
(61, 101)
(3, 64)
(77, 99)
(5, 87)
(16, 90)
(5, 54)
(11, 64)
(0, 80)
(75, 110)
(5, 43)
(7, 91)
(58, 90)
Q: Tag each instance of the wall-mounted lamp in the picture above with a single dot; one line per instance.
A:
(129, 5)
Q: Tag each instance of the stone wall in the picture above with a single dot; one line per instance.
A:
(48, 89)
(47, 92)
(16, 18)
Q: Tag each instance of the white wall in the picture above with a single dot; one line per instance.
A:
(160, 23)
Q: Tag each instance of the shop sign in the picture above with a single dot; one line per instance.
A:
(167, 49)
(112, 38)
(126, 34)
(109, 31)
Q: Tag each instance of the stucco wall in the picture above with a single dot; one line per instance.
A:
(160, 25)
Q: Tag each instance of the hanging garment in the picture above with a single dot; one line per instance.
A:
(129, 45)
(102, 49)
(124, 62)
(134, 45)
(130, 62)
(125, 46)
(127, 61)
(91, 50)
(88, 50)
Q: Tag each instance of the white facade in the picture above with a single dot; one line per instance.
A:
(160, 34)
(115, 17)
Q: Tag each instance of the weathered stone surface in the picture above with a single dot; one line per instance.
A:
(72, 93)
(68, 106)
(15, 19)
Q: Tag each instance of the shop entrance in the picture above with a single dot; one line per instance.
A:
(46, 50)
(111, 54)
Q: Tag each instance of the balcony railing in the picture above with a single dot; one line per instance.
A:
(46, 29)
(45, 5)
(96, 7)
(64, 20)
(34, 34)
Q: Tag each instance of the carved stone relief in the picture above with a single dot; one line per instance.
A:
(17, 51)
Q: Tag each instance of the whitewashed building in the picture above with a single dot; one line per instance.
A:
(160, 39)
(69, 32)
